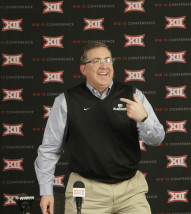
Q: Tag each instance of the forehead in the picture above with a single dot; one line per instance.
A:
(100, 52)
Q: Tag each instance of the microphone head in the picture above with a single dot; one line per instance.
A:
(24, 201)
(78, 190)
(79, 184)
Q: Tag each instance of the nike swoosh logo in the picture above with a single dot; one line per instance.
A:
(85, 109)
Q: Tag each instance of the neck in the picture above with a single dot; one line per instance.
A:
(99, 89)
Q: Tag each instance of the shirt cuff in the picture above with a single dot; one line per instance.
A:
(46, 189)
(147, 125)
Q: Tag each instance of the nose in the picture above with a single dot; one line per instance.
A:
(103, 64)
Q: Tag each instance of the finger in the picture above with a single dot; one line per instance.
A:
(44, 209)
(127, 101)
(51, 208)
(135, 98)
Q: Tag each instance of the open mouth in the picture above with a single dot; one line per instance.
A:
(103, 74)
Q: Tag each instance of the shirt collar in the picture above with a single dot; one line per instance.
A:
(96, 92)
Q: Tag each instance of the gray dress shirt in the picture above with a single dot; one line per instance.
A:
(150, 131)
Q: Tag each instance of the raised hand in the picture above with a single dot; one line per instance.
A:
(135, 109)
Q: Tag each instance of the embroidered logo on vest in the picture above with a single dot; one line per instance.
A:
(119, 108)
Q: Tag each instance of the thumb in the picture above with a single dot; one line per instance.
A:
(135, 98)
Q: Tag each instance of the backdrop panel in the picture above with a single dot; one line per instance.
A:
(40, 43)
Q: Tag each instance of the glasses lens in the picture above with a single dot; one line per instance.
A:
(110, 60)
(94, 61)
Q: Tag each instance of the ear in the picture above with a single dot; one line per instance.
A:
(83, 69)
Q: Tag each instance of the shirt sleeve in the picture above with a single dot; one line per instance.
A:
(151, 131)
(52, 145)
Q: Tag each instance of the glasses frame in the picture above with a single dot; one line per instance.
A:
(100, 61)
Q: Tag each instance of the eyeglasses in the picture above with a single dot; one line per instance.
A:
(100, 61)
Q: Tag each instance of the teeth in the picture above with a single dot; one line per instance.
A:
(103, 73)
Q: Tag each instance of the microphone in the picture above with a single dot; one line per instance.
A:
(24, 202)
(78, 194)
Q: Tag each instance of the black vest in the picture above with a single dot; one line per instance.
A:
(101, 139)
